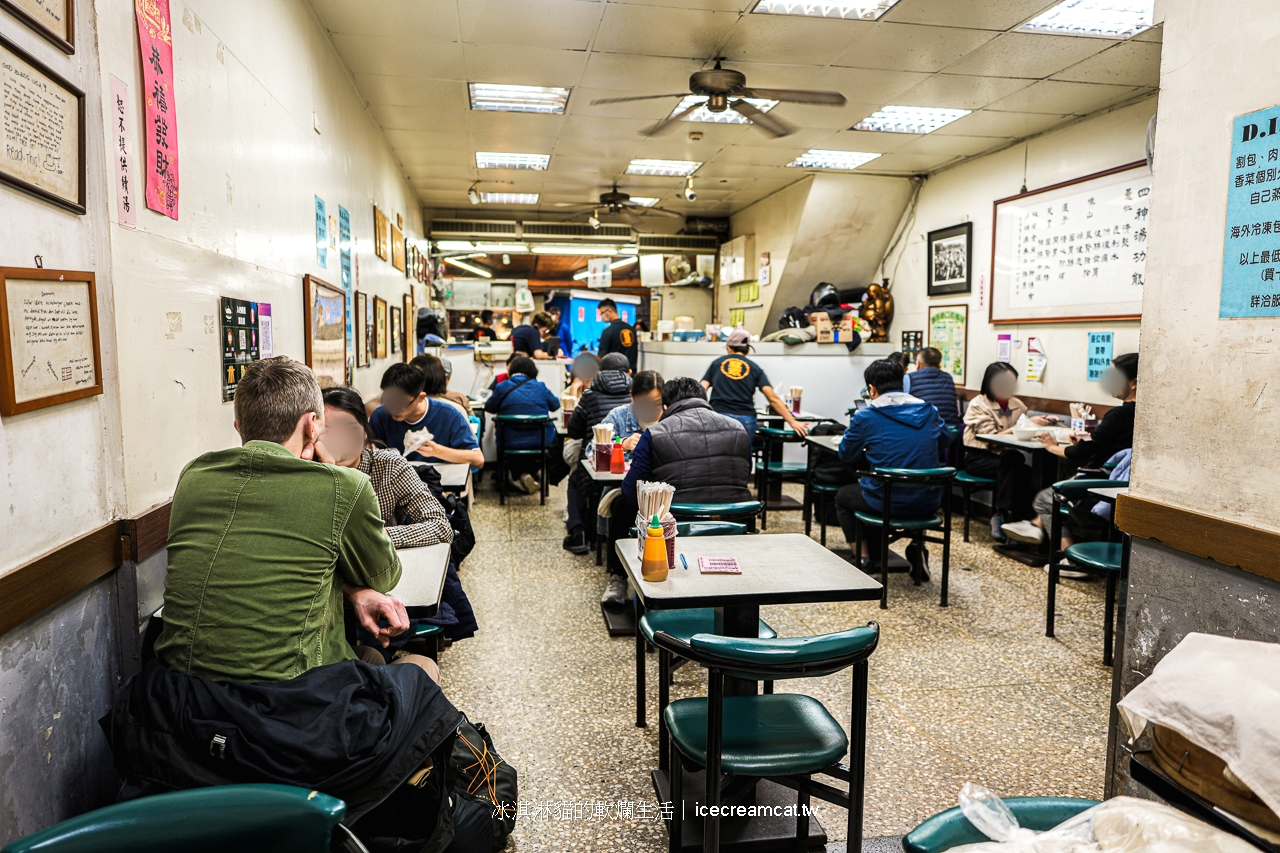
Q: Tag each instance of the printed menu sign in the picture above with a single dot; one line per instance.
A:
(240, 342)
(41, 130)
(51, 337)
(1251, 253)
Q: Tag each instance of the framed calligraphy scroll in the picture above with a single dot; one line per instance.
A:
(53, 19)
(42, 128)
(48, 338)
(396, 331)
(160, 108)
(410, 329)
(362, 330)
(379, 327)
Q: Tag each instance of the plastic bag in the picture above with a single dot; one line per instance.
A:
(1119, 825)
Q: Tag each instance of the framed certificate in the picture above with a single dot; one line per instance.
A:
(362, 330)
(53, 19)
(42, 130)
(48, 337)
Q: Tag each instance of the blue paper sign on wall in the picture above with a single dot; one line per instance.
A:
(1251, 253)
(1101, 349)
(322, 234)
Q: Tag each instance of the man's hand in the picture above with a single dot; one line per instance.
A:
(629, 443)
(317, 452)
(800, 428)
(1047, 439)
(372, 608)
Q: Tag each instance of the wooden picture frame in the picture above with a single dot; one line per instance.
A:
(29, 13)
(397, 248)
(395, 330)
(324, 312)
(362, 330)
(949, 333)
(53, 308)
(73, 200)
(949, 260)
(410, 324)
(379, 327)
(1004, 267)
(380, 232)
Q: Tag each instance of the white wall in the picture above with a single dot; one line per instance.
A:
(967, 193)
(249, 76)
(773, 220)
(1208, 395)
(61, 471)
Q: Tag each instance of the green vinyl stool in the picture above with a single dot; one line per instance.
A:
(894, 528)
(951, 828)
(742, 512)
(819, 499)
(521, 423)
(768, 469)
(243, 818)
(968, 483)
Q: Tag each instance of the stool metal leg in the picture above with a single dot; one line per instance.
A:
(675, 774)
(802, 819)
(664, 698)
(946, 550)
(715, 723)
(967, 491)
(857, 756)
(640, 680)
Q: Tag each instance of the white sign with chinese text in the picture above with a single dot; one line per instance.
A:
(118, 108)
(1073, 252)
(599, 276)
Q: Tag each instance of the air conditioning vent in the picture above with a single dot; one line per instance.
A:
(561, 230)
(461, 228)
(677, 244)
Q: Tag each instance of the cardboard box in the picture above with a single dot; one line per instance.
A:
(821, 321)
(845, 332)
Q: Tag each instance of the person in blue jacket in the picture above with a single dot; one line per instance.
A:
(895, 430)
(934, 385)
(523, 394)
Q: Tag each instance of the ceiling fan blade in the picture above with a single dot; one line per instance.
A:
(600, 101)
(667, 123)
(797, 96)
(641, 209)
(583, 206)
(766, 122)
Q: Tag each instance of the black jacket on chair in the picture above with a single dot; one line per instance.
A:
(705, 455)
(610, 389)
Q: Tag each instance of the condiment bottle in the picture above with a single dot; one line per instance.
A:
(617, 462)
(653, 566)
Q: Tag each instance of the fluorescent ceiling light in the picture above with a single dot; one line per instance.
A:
(1117, 19)
(893, 119)
(579, 276)
(496, 97)
(663, 168)
(856, 10)
(471, 268)
(500, 248)
(509, 198)
(818, 158)
(726, 117)
(503, 160)
(597, 251)
(454, 246)
(643, 201)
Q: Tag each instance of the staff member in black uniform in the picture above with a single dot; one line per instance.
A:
(483, 330)
(528, 338)
(617, 336)
(733, 379)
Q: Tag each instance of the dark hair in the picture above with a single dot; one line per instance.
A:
(585, 357)
(994, 369)
(522, 365)
(931, 356)
(542, 320)
(434, 379)
(885, 374)
(406, 377)
(486, 316)
(350, 401)
(1127, 364)
(608, 303)
(682, 388)
(901, 358)
(645, 381)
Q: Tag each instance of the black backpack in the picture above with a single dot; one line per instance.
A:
(485, 788)
(828, 470)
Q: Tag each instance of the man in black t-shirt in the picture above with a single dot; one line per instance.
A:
(617, 336)
(528, 338)
(483, 330)
(733, 379)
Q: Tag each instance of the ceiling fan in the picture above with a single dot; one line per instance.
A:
(614, 202)
(725, 89)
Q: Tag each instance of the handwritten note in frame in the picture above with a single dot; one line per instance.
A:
(49, 338)
(42, 130)
(53, 19)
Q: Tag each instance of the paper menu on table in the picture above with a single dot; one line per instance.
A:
(719, 566)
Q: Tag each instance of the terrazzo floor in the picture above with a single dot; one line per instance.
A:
(974, 691)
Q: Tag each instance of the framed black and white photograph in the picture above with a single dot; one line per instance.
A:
(950, 260)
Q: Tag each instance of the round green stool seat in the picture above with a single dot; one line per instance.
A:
(683, 624)
(1102, 556)
(973, 479)
(951, 828)
(933, 522)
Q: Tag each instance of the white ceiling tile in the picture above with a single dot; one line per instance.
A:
(513, 125)
(979, 14)
(778, 75)
(1034, 55)
(523, 66)
(931, 143)
(759, 155)
(1003, 124)
(431, 20)
(1132, 63)
(649, 109)
(512, 142)
(784, 38)
(908, 47)
(445, 172)
(399, 56)
(718, 168)
(911, 163)
(677, 148)
(566, 24)
(955, 91)
(714, 137)
(594, 127)
(391, 117)
(868, 141)
(715, 5)
(622, 150)
(810, 116)
(639, 74)
(868, 85)
(416, 160)
(1060, 97)
(1155, 34)
(413, 92)
(662, 31)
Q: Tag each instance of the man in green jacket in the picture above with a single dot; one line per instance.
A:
(268, 539)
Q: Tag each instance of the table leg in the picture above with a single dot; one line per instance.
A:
(738, 622)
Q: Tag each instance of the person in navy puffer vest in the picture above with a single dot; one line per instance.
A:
(523, 394)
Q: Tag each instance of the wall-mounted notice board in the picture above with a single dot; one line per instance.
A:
(1073, 251)
(48, 338)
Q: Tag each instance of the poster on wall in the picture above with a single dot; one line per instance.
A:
(239, 342)
(160, 130)
(362, 330)
(949, 334)
(1101, 350)
(325, 325)
(912, 343)
(344, 271)
(950, 259)
(1072, 251)
(322, 234)
(55, 20)
(43, 130)
(266, 332)
(123, 157)
(380, 234)
(48, 338)
(379, 327)
(410, 329)
(1251, 256)
(397, 248)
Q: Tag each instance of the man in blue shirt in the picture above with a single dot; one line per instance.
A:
(895, 430)
(934, 385)
(527, 338)
(407, 410)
